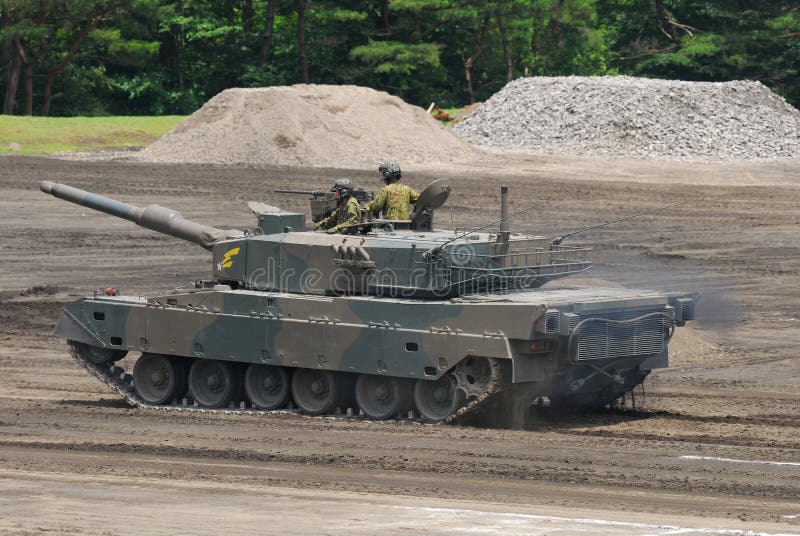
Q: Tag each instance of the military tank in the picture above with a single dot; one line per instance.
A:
(392, 319)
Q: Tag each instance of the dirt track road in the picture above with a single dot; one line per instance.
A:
(713, 447)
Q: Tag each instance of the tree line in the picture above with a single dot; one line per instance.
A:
(153, 57)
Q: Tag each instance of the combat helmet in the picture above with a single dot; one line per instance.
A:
(343, 186)
(390, 171)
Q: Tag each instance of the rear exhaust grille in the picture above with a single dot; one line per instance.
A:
(621, 335)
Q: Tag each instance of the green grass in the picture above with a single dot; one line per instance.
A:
(46, 135)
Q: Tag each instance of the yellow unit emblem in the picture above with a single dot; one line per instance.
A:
(227, 259)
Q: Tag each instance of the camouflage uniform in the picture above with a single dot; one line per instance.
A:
(348, 213)
(393, 201)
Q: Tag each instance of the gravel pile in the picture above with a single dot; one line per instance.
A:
(308, 125)
(636, 117)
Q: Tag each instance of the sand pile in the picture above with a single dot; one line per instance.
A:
(636, 117)
(309, 125)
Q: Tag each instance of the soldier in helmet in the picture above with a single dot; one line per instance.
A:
(394, 198)
(347, 210)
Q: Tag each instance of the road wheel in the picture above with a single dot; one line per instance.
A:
(212, 384)
(382, 397)
(318, 392)
(159, 379)
(437, 400)
(267, 386)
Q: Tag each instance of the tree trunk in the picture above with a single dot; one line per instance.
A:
(12, 82)
(178, 42)
(269, 28)
(47, 98)
(501, 28)
(661, 13)
(385, 15)
(58, 68)
(247, 18)
(7, 56)
(26, 67)
(301, 41)
(555, 26)
(470, 62)
(468, 78)
(28, 72)
(6, 49)
(537, 32)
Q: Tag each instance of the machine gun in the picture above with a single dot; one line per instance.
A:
(323, 202)
(312, 193)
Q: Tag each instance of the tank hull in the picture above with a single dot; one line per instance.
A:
(410, 340)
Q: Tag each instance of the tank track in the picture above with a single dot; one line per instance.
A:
(120, 382)
(493, 387)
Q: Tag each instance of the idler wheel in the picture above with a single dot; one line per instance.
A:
(382, 397)
(97, 355)
(318, 392)
(159, 379)
(437, 400)
(213, 383)
(473, 376)
(266, 386)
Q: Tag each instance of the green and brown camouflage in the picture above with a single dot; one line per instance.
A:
(346, 215)
(393, 201)
(436, 322)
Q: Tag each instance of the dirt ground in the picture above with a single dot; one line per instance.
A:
(712, 446)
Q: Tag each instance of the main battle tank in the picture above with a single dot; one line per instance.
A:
(393, 319)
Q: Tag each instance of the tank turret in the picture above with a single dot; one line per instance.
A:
(378, 257)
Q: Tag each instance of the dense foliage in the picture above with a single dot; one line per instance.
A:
(144, 57)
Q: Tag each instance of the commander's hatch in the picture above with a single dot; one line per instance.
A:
(431, 198)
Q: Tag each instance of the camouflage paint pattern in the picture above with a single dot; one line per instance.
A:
(393, 201)
(396, 337)
(401, 303)
(347, 213)
(391, 262)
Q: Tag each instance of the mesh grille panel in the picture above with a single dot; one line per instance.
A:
(620, 335)
(552, 321)
(685, 308)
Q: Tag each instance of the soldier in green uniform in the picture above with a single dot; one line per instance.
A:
(394, 198)
(347, 211)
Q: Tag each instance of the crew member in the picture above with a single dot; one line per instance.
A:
(347, 210)
(394, 198)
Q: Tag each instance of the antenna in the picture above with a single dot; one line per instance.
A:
(556, 241)
(482, 227)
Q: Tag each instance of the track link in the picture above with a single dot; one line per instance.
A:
(493, 387)
(120, 382)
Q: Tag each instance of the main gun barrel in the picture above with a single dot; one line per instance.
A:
(154, 217)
